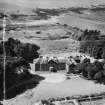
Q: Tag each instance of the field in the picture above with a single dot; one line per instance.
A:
(50, 36)
(56, 34)
(56, 85)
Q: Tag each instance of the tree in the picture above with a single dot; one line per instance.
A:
(91, 43)
(14, 48)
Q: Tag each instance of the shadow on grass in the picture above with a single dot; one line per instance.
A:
(22, 86)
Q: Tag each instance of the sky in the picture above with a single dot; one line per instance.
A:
(52, 3)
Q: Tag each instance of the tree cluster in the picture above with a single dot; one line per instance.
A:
(14, 48)
(93, 71)
(92, 43)
(17, 76)
(16, 65)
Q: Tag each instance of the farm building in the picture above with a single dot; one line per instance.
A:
(57, 63)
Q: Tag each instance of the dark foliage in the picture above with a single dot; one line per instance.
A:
(18, 78)
(14, 48)
(93, 42)
(92, 71)
(1, 78)
(17, 75)
(90, 35)
(1, 28)
(46, 102)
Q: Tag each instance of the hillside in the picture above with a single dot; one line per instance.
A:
(52, 3)
(55, 30)
(50, 38)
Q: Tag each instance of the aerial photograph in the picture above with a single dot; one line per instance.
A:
(52, 52)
